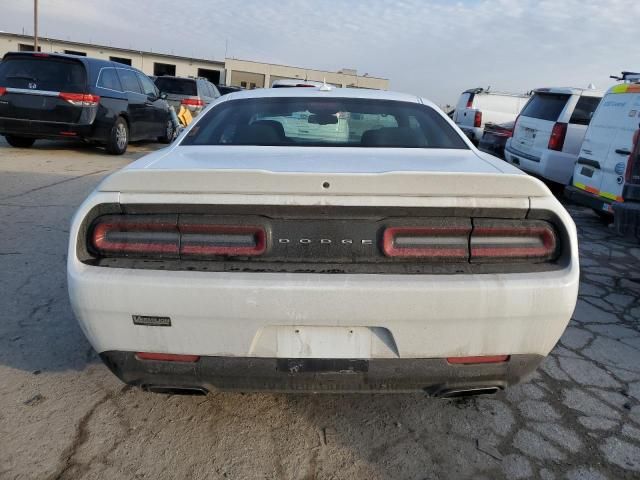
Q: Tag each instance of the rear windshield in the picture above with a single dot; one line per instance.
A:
(545, 106)
(177, 86)
(324, 122)
(43, 73)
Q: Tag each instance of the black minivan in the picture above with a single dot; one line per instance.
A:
(50, 95)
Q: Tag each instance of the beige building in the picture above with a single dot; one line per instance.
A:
(249, 74)
(244, 73)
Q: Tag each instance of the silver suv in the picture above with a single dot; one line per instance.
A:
(192, 93)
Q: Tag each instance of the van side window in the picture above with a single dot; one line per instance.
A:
(584, 110)
(129, 81)
(147, 85)
(109, 79)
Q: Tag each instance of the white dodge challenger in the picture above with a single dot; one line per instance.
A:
(321, 239)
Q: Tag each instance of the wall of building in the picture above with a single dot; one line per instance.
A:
(237, 68)
(141, 60)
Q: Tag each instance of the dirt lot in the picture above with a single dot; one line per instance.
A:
(64, 416)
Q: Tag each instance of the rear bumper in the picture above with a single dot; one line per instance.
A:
(39, 129)
(555, 166)
(587, 199)
(435, 376)
(627, 218)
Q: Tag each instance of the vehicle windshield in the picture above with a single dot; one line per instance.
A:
(43, 73)
(177, 86)
(545, 106)
(324, 122)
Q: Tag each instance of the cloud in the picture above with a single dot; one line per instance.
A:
(434, 48)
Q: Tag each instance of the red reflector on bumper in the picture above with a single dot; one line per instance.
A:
(167, 357)
(478, 360)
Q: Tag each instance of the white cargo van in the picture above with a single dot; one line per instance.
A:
(477, 107)
(548, 133)
(598, 177)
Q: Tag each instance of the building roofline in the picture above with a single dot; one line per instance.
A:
(108, 47)
(303, 68)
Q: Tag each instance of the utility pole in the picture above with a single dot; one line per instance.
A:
(35, 25)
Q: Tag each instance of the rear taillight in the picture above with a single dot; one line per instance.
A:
(233, 240)
(512, 240)
(470, 101)
(477, 121)
(3, 90)
(192, 102)
(434, 242)
(632, 173)
(164, 237)
(488, 241)
(80, 99)
(558, 134)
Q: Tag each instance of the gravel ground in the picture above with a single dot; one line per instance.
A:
(64, 416)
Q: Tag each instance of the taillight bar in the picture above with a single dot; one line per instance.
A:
(192, 102)
(558, 135)
(80, 99)
(236, 240)
(477, 120)
(163, 236)
(478, 360)
(3, 90)
(505, 240)
(444, 242)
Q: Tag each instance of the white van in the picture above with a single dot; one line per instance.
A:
(476, 107)
(548, 133)
(598, 177)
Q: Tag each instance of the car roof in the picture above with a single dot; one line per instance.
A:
(332, 92)
(588, 92)
(83, 59)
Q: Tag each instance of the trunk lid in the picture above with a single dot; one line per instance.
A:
(323, 171)
(33, 86)
(535, 124)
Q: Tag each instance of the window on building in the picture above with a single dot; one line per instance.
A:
(75, 52)
(160, 69)
(124, 61)
(129, 80)
(25, 47)
(212, 75)
(243, 84)
(252, 85)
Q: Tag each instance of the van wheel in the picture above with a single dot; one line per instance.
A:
(169, 133)
(20, 142)
(118, 137)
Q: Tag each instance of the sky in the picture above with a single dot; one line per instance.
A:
(432, 48)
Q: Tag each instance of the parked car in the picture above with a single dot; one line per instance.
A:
(495, 137)
(251, 257)
(192, 93)
(225, 89)
(627, 212)
(56, 96)
(548, 134)
(477, 107)
(598, 176)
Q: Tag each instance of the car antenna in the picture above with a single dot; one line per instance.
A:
(591, 86)
(325, 87)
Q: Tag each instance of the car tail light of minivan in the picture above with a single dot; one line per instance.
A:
(477, 121)
(192, 102)
(632, 174)
(558, 134)
(3, 90)
(80, 99)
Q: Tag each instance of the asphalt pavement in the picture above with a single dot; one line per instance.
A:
(63, 415)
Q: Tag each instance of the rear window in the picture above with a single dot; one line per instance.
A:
(545, 106)
(584, 110)
(177, 86)
(324, 122)
(43, 73)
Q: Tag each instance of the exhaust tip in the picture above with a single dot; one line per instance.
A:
(172, 390)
